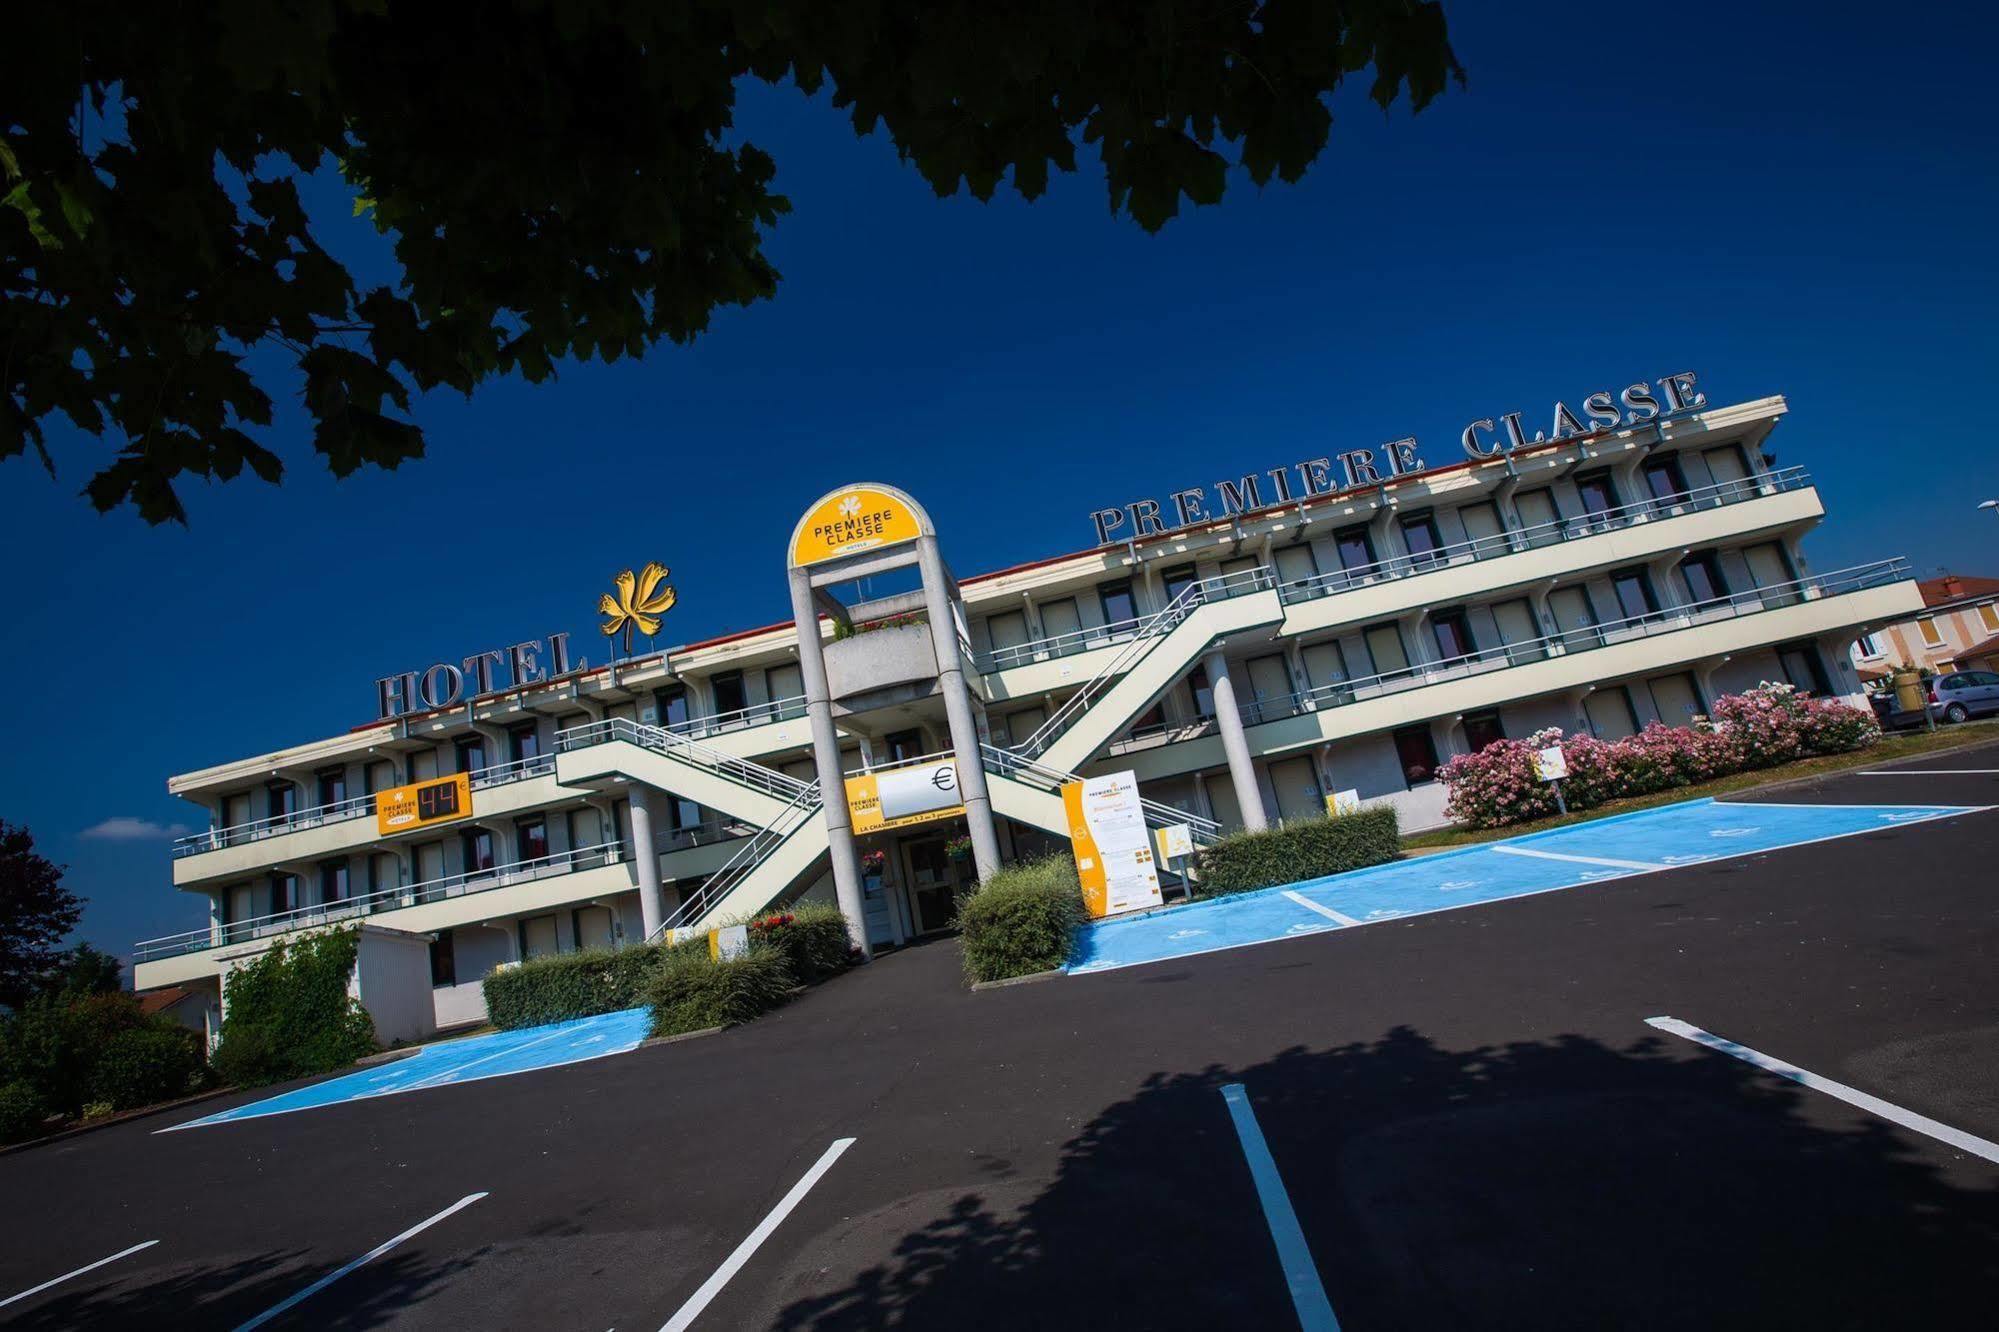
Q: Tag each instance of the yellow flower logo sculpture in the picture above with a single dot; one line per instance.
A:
(640, 602)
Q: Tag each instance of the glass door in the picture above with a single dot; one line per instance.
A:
(935, 878)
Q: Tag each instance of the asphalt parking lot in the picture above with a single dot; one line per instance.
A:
(1465, 1114)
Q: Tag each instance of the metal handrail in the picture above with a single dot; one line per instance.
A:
(1543, 534)
(339, 811)
(1063, 644)
(739, 770)
(1042, 777)
(406, 895)
(739, 866)
(777, 709)
(1581, 639)
(1191, 598)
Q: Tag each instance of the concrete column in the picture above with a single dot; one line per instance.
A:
(958, 710)
(645, 853)
(1242, 773)
(826, 759)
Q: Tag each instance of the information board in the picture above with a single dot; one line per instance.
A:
(1114, 857)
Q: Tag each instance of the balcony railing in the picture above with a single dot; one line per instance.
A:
(1546, 534)
(354, 807)
(761, 714)
(385, 899)
(1062, 645)
(1581, 639)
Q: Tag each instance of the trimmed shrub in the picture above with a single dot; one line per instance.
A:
(289, 1012)
(22, 1113)
(1021, 920)
(147, 1064)
(570, 985)
(54, 1042)
(811, 935)
(690, 991)
(1306, 849)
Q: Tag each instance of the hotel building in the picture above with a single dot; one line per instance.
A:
(1245, 668)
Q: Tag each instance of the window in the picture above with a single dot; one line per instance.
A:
(1867, 645)
(1177, 580)
(901, 746)
(1664, 479)
(1634, 593)
(1419, 532)
(1453, 634)
(530, 838)
(1481, 523)
(1598, 495)
(1004, 630)
(284, 892)
(1119, 608)
(729, 695)
(1325, 663)
(1384, 649)
(1803, 669)
(1610, 714)
(333, 786)
(1203, 692)
(1152, 719)
(1988, 615)
(1932, 636)
(1481, 729)
(471, 753)
(1702, 574)
(672, 705)
(478, 848)
(280, 800)
(443, 961)
(333, 881)
(1297, 565)
(1060, 617)
(1540, 516)
(684, 814)
(1356, 548)
(786, 683)
(1417, 753)
(524, 741)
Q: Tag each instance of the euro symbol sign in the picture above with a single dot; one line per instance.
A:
(945, 778)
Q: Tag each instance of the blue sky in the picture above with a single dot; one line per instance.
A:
(1797, 203)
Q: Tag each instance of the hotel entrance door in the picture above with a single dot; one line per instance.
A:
(935, 880)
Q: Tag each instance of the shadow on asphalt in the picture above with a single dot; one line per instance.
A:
(228, 1294)
(1553, 1184)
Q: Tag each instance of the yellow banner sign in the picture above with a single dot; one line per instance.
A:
(902, 796)
(441, 800)
(1114, 857)
(848, 522)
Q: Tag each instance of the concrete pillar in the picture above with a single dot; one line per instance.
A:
(1242, 773)
(826, 759)
(958, 710)
(645, 853)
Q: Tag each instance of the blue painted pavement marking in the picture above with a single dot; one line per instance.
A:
(1301, 1275)
(467, 1060)
(1644, 842)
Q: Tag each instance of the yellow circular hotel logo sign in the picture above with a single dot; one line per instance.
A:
(853, 520)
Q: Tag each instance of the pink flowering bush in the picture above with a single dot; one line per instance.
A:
(1758, 728)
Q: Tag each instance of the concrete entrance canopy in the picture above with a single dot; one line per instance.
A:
(859, 531)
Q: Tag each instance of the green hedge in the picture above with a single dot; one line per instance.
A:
(811, 935)
(1021, 920)
(1305, 849)
(21, 1112)
(570, 985)
(690, 991)
(148, 1064)
(74, 1051)
(289, 1012)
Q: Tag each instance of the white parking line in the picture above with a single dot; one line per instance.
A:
(1301, 1275)
(1909, 1119)
(367, 1257)
(456, 1069)
(89, 1267)
(712, 1287)
(1325, 911)
(1580, 860)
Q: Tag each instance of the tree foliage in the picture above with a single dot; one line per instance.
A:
(557, 180)
(36, 911)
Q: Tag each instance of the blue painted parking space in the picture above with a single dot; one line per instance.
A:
(1645, 842)
(468, 1060)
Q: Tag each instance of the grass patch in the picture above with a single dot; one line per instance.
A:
(1885, 750)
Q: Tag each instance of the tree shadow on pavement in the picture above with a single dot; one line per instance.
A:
(1541, 1184)
(227, 1294)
